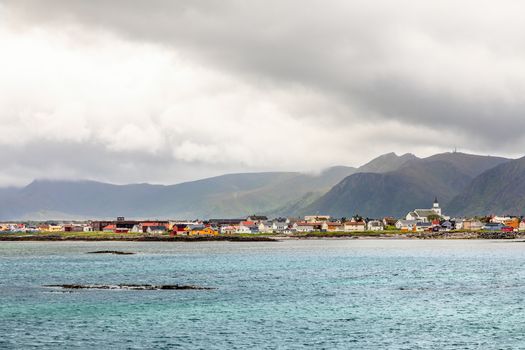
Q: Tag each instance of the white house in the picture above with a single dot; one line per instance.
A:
(304, 227)
(500, 219)
(316, 218)
(281, 226)
(243, 229)
(406, 225)
(137, 228)
(375, 225)
(265, 227)
(156, 229)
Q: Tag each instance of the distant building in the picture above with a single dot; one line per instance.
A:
(389, 221)
(423, 226)
(447, 225)
(316, 218)
(156, 229)
(422, 215)
(469, 225)
(281, 226)
(109, 228)
(493, 226)
(307, 227)
(406, 225)
(224, 222)
(375, 225)
(500, 219)
(265, 227)
(332, 226)
(354, 226)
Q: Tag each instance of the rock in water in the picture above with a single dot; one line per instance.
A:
(129, 286)
(110, 252)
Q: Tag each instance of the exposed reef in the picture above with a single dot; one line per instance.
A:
(116, 252)
(130, 286)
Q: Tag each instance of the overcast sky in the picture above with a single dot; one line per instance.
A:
(164, 91)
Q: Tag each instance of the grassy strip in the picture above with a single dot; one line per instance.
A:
(93, 234)
(350, 234)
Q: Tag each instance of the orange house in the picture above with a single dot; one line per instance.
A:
(514, 223)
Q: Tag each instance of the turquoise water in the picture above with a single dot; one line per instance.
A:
(346, 294)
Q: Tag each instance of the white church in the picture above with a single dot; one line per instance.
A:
(422, 215)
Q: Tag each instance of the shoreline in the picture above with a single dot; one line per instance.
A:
(136, 239)
(465, 235)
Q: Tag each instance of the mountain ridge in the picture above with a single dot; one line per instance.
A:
(386, 185)
(227, 195)
(497, 190)
(413, 185)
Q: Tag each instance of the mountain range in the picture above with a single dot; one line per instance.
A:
(413, 185)
(389, 185)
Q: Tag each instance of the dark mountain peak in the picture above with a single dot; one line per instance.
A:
(393, 185)
(387, 162)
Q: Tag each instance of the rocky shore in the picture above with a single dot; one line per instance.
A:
(270, 238)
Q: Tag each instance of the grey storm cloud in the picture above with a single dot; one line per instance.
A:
(448, 73)
(357, 50)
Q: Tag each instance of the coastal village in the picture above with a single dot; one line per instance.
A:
(430, 220)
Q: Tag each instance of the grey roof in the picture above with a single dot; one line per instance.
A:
(423, 213)
(424, 224)
(407, 222)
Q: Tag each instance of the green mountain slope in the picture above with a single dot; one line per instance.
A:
(387, 185)
(230, 195)
(500, 190)
(413, 185)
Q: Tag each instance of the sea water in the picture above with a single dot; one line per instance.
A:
(322, 294)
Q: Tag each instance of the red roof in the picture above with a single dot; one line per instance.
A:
(110, 227)
(148, 224)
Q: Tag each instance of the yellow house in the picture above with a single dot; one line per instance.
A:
(51, 228)
(206, 231)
